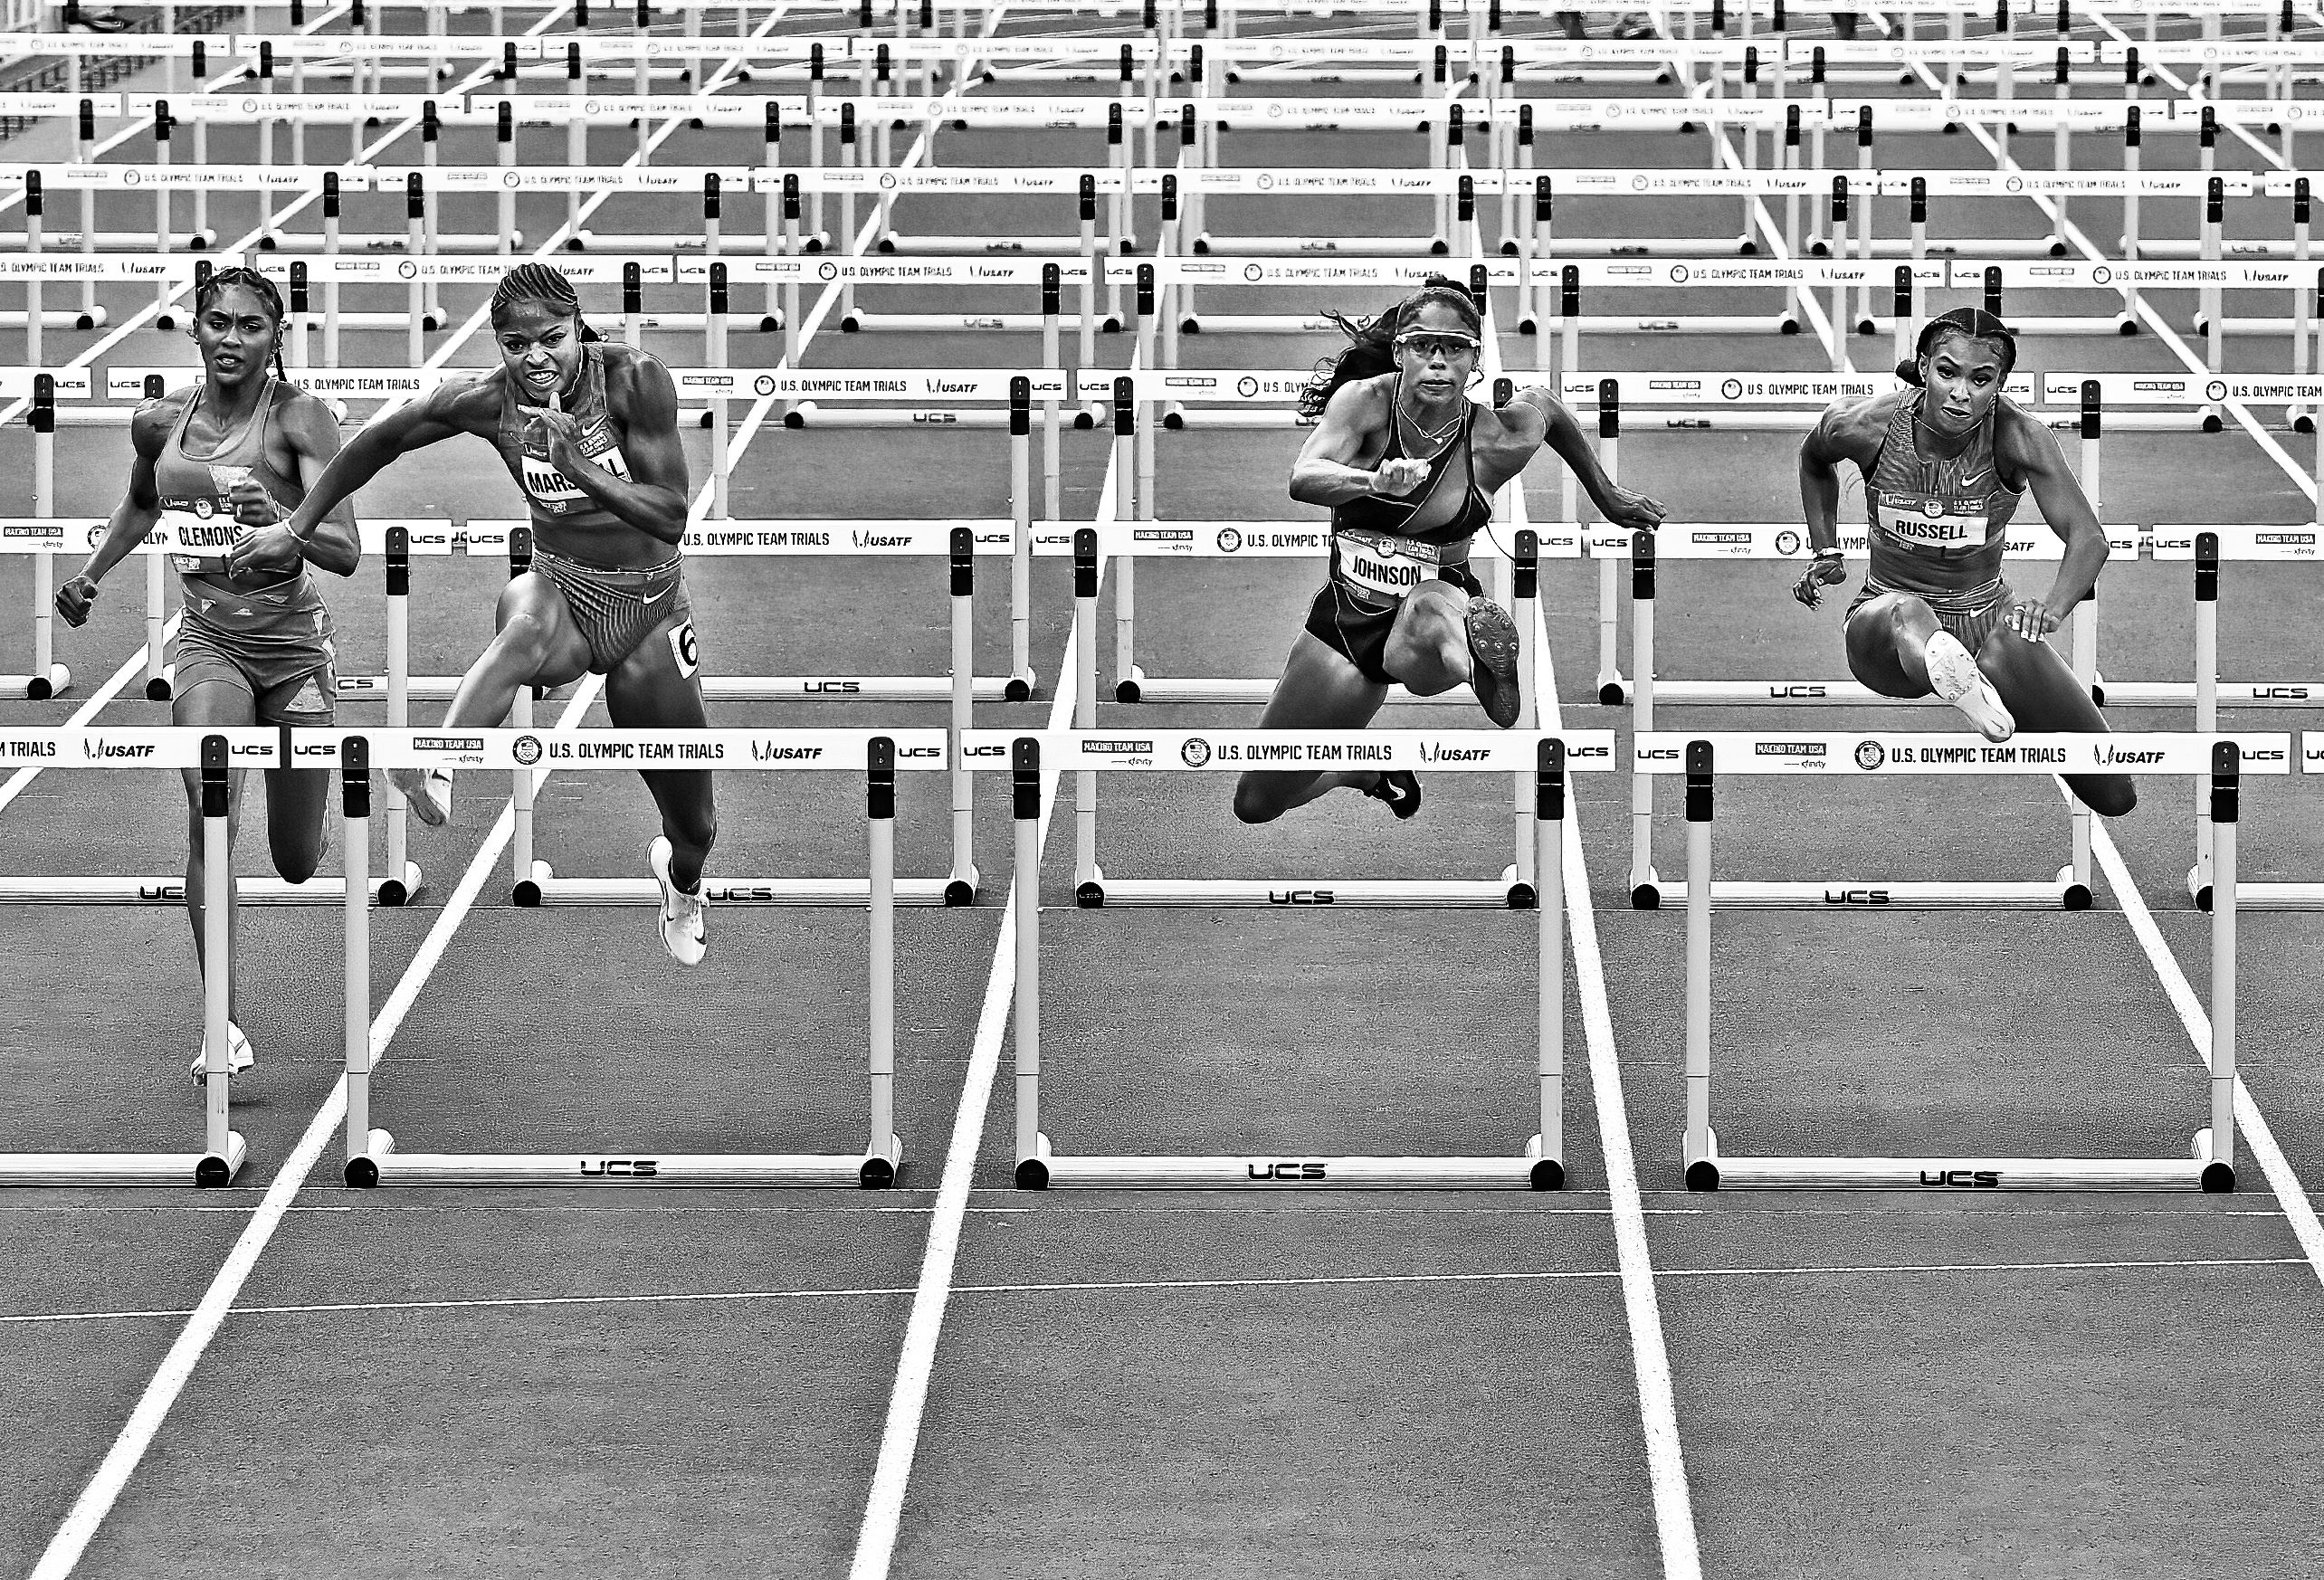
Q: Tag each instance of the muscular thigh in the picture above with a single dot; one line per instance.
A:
(660, 684)
(1321, 689)
(534, 600)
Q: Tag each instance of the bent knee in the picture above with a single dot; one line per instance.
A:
(2107, 797)
(1252, 803)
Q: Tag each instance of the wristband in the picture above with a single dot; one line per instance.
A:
(1832, 553)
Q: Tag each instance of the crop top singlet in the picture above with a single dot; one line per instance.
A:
(1936, 522)
(1381, 548)
(553, 499)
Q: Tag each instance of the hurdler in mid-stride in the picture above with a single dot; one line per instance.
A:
(1408, 465)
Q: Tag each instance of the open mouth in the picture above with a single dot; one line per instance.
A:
(541, 379)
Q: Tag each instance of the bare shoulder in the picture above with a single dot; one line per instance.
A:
(1364, 401)
(151, 422)
(630, 368)
(470, 405)
(298, 408)
(2021, 441)
(1853, 430)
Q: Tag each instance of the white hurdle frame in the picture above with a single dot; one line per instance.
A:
(372, 1157)
(1514, 888)
(1539, 1166)
(218, 753)
(2211, 1164)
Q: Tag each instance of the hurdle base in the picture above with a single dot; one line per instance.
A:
(552, 889)
(206, 1169)
(809, 415)
(321, 889)
(2277, 896)
(1143, 687)
(1959, 1173)
(1788, 693)
(960, 889)
(1380, 894)
(162, 687)
(1209, 245)
(1020, 687)
(527, 892)
(2059, 893)
(38, 688)
(2237, 694)
(1290, 1170)
(744, 688)
(386, 1166)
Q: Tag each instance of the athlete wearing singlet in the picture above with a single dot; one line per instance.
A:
(1937, 525)
(1384, 548)
(578, 544)
(270, 635)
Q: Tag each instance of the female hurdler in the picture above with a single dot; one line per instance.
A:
(1408, 465)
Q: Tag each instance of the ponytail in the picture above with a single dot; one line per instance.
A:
(1372, 342)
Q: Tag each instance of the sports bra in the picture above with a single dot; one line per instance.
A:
(196, 490)
(553, 499)
(1375, 545)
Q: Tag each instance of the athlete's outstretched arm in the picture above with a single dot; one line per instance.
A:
(1326, 472)
(654, 498)
(1621, 506)
(425, 421)
(333, 545)
(133, 517)
(2026, 447)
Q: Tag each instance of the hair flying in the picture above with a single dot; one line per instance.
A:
(1372, 342)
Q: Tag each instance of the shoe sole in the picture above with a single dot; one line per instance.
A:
(421, 801)
(1493, 670)
(1954, 669)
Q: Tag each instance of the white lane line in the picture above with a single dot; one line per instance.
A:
(1649, 1356)
(884, 1507)
(130, 666)
(1148, 1286)
(169, 1379)
(2291, 1199)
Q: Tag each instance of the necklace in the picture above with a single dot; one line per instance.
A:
(1431, 435)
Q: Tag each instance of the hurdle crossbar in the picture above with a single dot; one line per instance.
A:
(217, 755)
(374, 1158)
(2210, 1164)
(1539, 1166)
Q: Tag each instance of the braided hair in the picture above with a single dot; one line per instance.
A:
(1372, 342)
(540, 283)
(1975, 323)
(260, 286)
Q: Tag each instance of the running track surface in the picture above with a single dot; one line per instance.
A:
(1598, 1382)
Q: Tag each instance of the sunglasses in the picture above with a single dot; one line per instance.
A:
(1430, 345)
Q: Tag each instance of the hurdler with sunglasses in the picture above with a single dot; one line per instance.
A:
(1408, 465)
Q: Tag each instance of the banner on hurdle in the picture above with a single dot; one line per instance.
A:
(2211, 1160)
(373, 1156)
(1539, 1166)
(214, 755)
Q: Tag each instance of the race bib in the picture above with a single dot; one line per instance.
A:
(555, 493)
(200, 536)
(1928, 524)
(1383, 565)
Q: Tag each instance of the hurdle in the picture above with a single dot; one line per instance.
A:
(217, 754)
(2210, 1164)
(373, 1156)
(1539, 1166)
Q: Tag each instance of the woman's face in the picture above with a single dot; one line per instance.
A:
(540, 346)
(1437, 352)
(1962, 375)
(236, 333)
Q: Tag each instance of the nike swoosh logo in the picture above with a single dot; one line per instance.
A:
(656, 597)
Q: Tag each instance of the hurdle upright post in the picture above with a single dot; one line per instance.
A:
(526, 872)
(1550, 889)
(883, 1152)
(1609, 675)
(2215, 1148)
(1839, 249)
(1053, 292)
(48, 677)
(1126, 508)
(218, 1142)
(1699, 1153)
(2202, 879)
(1088, 882)
(416, 210)
(392, 889)
(354, 806)
(714, 333)
(1524, 590)
(1019, 683)
(960, 889)
(1644, 891)
(1024, 777)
